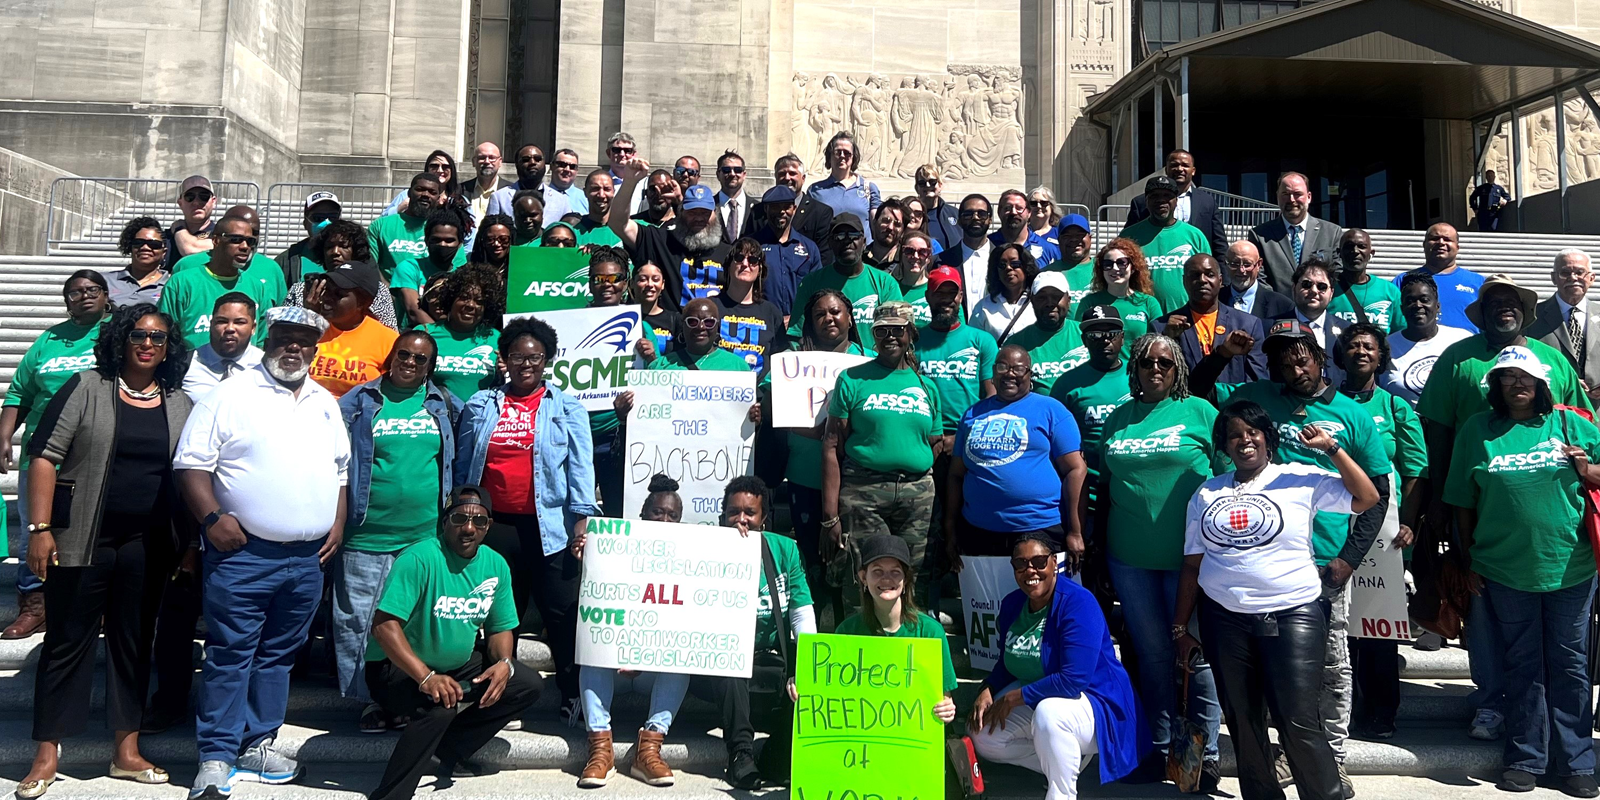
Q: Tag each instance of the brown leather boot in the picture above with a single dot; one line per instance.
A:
(602, 761)
(30, 617)
(647, 763)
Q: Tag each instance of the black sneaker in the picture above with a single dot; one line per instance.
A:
(742, 771)
(1378, 729)
(1210, 777)
(473, 769)
(1516, 780)
(1580, 786)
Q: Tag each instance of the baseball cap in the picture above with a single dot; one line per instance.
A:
(942, 275)
(469, 495)
(323, 197)
(779, 194)
(1074, 221)
(296, 315)
(1521, 358)
(361, 275)
(195, 182)
(1050, 279)
(883, 545)
(1098, 318)
(894, 312)
(849, 222)
(1160, 183)
(698, 196)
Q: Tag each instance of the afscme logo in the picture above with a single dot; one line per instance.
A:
(68, 363)
(1166, 440)
(912, 400)
(616, 332)
(556, 289)
(1057, 368)
(865, 306)
(1544, 454)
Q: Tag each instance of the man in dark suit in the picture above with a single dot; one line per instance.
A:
(1244, 290)
(812, 218)
(1313, 291)
(1201, 324)
(1196, 207)
(1294, 236)
(1567, 320)
(734, 206)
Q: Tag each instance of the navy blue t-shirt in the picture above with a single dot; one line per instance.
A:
(1457, 290)
(786, 265)
(1010, 449)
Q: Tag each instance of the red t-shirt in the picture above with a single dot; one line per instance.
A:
(508, 466)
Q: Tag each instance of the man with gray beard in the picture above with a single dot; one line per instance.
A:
(691, 254)
(262, 463)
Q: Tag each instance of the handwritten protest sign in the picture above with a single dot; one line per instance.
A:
(662, 597)
(801, 383)
(596, 351)
(985, 581)
(863, 724)
(694, 427)
(1378, 588)
(546, 279)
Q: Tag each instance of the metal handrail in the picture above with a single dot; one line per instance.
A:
(1236, 200)
(1100, 214)
(94, 209)
(285, 208)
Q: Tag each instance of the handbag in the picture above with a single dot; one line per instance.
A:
(1590, 525)
(1185, 754)
(963, 776)
(61, 504)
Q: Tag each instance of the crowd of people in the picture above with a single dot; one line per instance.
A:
(1185, 446)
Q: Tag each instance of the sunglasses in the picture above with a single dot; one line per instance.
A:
(1511, 379)
(1157, 363)
(731, 170)
(524, 360)
(1011, 264)
(886, 331)
(197, 196)
(157, 338)
(323, 217)
(608, 278)
(475, 520)
(974, 213)
(235, 238)
(420, 359)
(925, 182)
(847, 236)
(1039, 203)
(148, 244)
(685, 172)
(1033, 563)
(566, 165)
(1121, 263)
(621, 151)
(703, 323)
(1100, 336)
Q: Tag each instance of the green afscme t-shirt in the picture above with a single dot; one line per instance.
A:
(1458, 387)
(62, 351)
(1091, 396)
(793, 591)
(1152, 459)
(442, 600)
(1166, 249)
(1052, 352)
(403, 498)
(468, 361)
(922, 627)
(1400, 432)
(1529, 500)
(892, 415)
(804, 467)
(956, 362)
(395, 238)
(1080, 281)
(414, 273)
(866, 291)
(1022, 658)
(191, 296)
(1344, 419)
(718, 360)
(1379, 299)
(1139, 314)
(917, 296)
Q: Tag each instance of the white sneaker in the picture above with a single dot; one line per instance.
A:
(1487, 725)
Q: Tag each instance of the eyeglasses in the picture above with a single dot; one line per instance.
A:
(235, 238)
(157, 338)
(461, 520)
(974, 212)
(565, 164)
(887, 331)
(1508, 378)
(89, 291)
(501, 240)
(685, 172)
(437, 167)
(1018, 371)
(196, 196)
(1037, 563)
(607, 278)
(1321, 287)
(1119, 263)
(420, 359)
(525, 359)
(1100, 336)
(731, 170)
(1162, 364)
(703, 323)
(1239, 263)
(148, 244)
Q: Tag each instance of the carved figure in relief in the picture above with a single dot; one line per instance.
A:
(952, 161)
(974, 106)
(803, 138)
(1005, 109)
(870, 114)
(918, 113)
(1103, 12)
(1542, 151)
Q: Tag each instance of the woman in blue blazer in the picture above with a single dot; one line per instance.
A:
(1058, 694)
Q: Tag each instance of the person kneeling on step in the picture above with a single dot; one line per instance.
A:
(422, 662)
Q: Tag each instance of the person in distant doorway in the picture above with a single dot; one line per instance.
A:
(1487, 201)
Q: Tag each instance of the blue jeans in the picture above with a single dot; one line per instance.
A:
(1485, 656)
(26, 580)
(358, 579)
(259, 602)
(1549, 716)
(1148, 598)
(597, 684)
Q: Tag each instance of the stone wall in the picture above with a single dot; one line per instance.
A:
(25, 203)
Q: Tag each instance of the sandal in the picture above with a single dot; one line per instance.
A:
(373, 720)
(151, 775)
(27, 790)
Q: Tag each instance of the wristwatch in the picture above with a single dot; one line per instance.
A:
(1179, 631)
(211, 519)
(38, 527)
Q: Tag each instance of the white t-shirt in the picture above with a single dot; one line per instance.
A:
(1256, 539)
(994, 315)
(1413, 362)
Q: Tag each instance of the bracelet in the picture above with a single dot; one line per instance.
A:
(39, 527)
(424, 681)
(832, 522)
(510, 665)
(1179, 631)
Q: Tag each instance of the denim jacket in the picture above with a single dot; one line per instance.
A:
(360, 407)
(563, 453)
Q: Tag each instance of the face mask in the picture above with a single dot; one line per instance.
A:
(320, 226)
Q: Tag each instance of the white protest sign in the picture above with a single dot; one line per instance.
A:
(596, 351)
(663, 597)
(985, 581)
(1378, 588)
(694, 427)
(801, 383)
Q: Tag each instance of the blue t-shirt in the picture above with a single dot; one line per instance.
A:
(1010, 450)
(859, 197)
(1456, 291)
(786, 265)
(1043, 250)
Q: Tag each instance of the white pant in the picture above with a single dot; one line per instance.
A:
(1055, 738)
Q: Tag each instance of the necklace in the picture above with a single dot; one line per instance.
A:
(1246, 486)
(149, 394)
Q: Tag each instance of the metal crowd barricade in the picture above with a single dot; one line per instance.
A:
(86, 210)
(284, 213)
(1246, 217)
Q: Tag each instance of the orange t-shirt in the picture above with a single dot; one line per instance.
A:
(1205, 327)
(347, 359)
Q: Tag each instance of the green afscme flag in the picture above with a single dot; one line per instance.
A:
(864, 724)
(547, 279)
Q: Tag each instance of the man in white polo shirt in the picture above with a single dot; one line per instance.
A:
(263, 464)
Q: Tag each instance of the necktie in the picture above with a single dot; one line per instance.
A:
(1295, 243)
(228, 368)
(733, 219)
(1575, 332)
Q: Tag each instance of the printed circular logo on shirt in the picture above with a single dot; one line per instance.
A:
(1241, 522)
(997, 439)
(1416, 376)
(1289, 434)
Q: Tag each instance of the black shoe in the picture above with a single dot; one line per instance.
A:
(1428, 642)
(742, 772)
(1379, 730)
(1580, 786)
(472, 769)
(1153, 769)
(1516, 780)
(162, 717)
(1210, 777)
